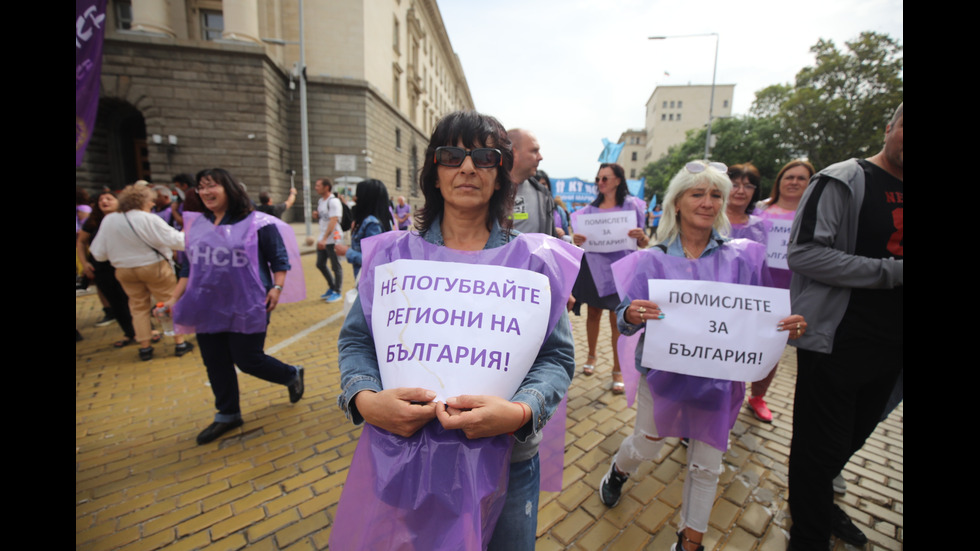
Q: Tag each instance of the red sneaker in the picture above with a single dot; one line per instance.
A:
(758, 406)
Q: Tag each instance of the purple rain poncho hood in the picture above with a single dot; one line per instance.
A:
(228, 295)
(686, 406)
(437, 489)
(599, 263)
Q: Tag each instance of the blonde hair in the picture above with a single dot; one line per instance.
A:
(135, 196)
(684, 180)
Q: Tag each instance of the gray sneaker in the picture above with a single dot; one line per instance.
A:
(611, 487)
(840, 485)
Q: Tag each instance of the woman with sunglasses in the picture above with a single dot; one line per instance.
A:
(595, 286)
(421, 500)
(791, 181)
(692, 245)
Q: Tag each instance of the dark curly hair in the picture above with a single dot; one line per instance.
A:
(472, 130)
(239, 205)
(621, 190)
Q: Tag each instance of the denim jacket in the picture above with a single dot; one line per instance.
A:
(369, 226)
(542, 390)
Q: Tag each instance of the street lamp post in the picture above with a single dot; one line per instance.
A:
(304, 124)
(714, 74)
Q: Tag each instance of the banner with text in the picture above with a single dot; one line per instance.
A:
(778, 243)
(471, 329)
(606, 232)
(717, 330)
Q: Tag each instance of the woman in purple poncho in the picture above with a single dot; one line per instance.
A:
(231, 281)
(594, 285)
(791, 181)
(693, 246)
(486, 443)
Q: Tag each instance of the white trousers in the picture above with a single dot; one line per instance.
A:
(703, 463)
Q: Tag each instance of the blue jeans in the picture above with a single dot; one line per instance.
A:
(517, 528)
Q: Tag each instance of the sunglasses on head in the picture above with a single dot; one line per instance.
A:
(483, 157)
(695, 167)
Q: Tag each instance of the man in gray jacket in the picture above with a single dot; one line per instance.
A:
(533, 204)
(847, 252)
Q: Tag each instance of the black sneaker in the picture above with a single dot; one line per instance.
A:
(679, 546)
(146, 354)
(108, 318)
(183, 348)
(843, 529)
(611, 487)
(296, 389)
(216, 429)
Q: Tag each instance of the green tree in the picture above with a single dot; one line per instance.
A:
(736, 140)
(838, 108)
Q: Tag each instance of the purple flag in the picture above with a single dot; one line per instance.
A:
(89, 32)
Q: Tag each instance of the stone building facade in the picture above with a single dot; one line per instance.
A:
(194, 84)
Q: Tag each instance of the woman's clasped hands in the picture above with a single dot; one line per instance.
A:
(403, 411)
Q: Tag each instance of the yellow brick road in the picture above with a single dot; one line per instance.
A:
(141, 481)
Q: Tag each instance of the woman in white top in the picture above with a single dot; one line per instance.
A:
(139, 245)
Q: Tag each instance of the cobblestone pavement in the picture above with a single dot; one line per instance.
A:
(141, 481)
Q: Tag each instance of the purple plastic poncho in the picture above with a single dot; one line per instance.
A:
(686, 406)
(599, 263)
(756, 229)
(224, 292)
(780, 278)
(437, 489)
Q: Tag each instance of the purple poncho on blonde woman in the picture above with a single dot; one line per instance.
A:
(686, 406)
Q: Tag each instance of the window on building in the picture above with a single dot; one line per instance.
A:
(634, 155)
(663, 116)
(671, 104)
(680, 104)
(633, 170)
(396, 89)
(678, 116)
(398, 178)
(212, 24)
(124, 14)
(665, 104)
(398, 139)
(725, 104)
(395, 38)
(671, 117)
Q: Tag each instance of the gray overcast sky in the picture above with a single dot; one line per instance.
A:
(577, 71)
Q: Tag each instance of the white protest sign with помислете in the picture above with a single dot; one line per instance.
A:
(607, 232)
(717, 330)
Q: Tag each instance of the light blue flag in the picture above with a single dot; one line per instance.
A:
(610, 151)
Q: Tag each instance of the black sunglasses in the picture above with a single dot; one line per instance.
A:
(483, 157)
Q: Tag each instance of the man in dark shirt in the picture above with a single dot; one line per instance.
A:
(847, 255)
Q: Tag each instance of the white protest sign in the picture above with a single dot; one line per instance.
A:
(607, 232)
(778, 243)
(718, 330)
(458, 328)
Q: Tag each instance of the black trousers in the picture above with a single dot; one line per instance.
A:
(221, 352)
(839, 400)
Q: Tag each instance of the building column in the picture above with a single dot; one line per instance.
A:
(241, 20)
(152, 16)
